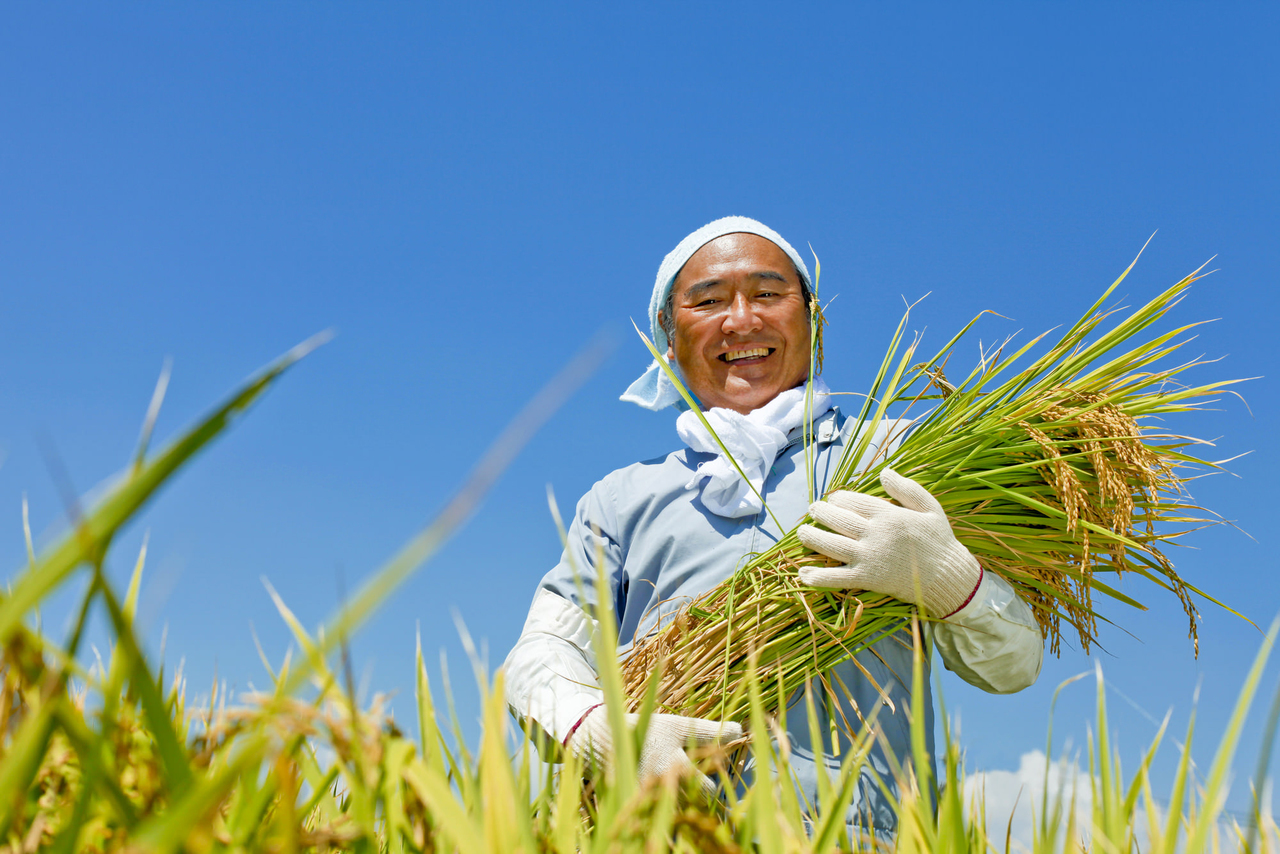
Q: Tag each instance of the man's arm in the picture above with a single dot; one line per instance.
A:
(551, 674)
(908, 550)
(993, 642)
(552, 680)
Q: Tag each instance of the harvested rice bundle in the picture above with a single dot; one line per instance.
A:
(1052, 476)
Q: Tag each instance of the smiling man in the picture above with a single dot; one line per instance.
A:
(730, 305)
(741, 311)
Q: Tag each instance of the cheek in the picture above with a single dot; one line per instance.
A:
(683, 349)
(795, 329)
(691, 335)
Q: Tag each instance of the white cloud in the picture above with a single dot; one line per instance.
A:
(1019, 794)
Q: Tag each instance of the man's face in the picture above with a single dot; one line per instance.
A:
(741, 332)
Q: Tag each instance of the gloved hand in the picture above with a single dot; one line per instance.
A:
(664, 742)
(906, 552)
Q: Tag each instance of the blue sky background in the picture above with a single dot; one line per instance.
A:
(468, 192)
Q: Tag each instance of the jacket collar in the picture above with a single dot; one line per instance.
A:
(826, 428)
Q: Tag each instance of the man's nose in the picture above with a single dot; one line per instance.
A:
(741, 316)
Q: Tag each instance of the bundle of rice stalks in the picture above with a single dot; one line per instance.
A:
(1054, 476)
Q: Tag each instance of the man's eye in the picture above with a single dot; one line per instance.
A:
(707, 301)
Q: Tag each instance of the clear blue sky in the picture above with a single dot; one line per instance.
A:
(468, 192)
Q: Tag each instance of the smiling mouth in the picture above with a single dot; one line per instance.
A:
(739, 355)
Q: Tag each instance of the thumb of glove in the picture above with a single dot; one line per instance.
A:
(669, 736)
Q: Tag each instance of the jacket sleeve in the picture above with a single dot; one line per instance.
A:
(551, 674)
(993, 642)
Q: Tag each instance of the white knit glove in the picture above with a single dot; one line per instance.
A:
(906, 552)
(664, 742)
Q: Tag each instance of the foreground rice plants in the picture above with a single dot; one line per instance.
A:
(115, 758)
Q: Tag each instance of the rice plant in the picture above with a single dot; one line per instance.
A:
(316, 773)
(1056, 471)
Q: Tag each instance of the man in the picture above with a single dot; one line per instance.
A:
(731, 308)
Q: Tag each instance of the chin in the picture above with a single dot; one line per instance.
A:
(748, 400)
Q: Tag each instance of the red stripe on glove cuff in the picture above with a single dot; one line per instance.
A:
(967, 600)
(574, 728)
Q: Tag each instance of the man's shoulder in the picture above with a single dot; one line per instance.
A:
(673, 464)
(627, 490)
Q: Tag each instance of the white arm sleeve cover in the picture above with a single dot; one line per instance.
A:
(551, 672)
(993, 642)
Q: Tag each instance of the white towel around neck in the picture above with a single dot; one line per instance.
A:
(753, 439)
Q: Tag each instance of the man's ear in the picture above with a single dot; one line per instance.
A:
(662, 324)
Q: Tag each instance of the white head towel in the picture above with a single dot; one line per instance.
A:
(653, 390)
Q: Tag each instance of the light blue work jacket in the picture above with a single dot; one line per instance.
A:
(661, 547)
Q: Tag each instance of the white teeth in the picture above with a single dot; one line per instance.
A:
(746, 354)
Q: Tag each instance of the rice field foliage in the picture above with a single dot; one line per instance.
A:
(84, 769)
(117, 757)
(1055, 463)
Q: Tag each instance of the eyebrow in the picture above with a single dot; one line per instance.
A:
(701, 287)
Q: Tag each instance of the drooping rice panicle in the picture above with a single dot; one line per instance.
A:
(1051, 474)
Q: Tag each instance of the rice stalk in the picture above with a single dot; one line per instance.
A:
(1056, 473)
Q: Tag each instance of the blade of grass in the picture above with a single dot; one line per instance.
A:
(129, 494)
(1215, 787)
(697, 410)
